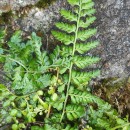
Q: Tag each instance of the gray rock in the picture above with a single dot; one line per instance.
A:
(7, 5)
(113, 22)
(43, 19)
(16, 4)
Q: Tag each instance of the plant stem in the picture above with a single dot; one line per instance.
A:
(49, 110)
(71, 65)
(15, 61)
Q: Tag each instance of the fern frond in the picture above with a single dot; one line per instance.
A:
(82, 48)
(2, 35)
(69, 16)
(73, 112)
(48, 127)
(80, 97)
(63, 37)
(68, 127)
(15, 42)
(86, 1)
(73, 2)
(86, 24)
(87, 12)
(85, 34)
(81, 78)
(104, 124)
(85, 61)
(55, 53)
(16, 38)
(66, 50)
(88, 5)
(66, 27)
(44, 81)
(45, 59)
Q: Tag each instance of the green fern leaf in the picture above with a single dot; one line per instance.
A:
(1, 51)
(48, 127)
(82, 78)
(55, 55)
(82, 48)
(63, 37)
(88, 12)
(66, 27)
(83, 62)
(16, 38)
(15, 42)
(2, 35)
(80, 97)
(68, 15)
(103, 124)
(44, 81)
(84, 35)
(68, 127)
(87, 5)
(73, 112)
(86, 1)
(66, 51)
(36, 128)
(86, 24)
(74, 2)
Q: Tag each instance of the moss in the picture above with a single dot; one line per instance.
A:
(107, 87)
(44, 3)
(5, 17)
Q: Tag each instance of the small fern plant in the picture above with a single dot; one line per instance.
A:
(74, 32)
(49, 91)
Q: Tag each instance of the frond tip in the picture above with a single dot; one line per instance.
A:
(74, 2)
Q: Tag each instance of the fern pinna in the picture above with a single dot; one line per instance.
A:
(74, 32)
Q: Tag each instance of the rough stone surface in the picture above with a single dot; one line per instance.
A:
(113, 23)
(7, 5)
(43, 19)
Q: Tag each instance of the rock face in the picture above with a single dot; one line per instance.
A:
(113, 22)
(44, 18)
(7, 5)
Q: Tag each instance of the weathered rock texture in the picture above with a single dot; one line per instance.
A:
(113, 23)
(7, 5)
(44, 18)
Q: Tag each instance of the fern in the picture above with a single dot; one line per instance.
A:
(73, 112)
(53, 86)
(80, 32)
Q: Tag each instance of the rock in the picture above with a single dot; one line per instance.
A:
(7, 5)
(113, 21)
(43, 19)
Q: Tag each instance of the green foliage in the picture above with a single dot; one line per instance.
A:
(53, 87)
